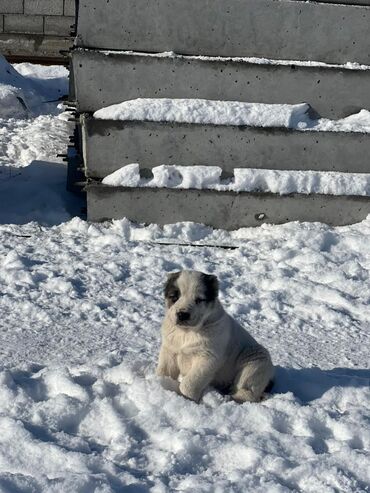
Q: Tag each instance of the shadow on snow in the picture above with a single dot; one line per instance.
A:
(37, 193)
(309, 384)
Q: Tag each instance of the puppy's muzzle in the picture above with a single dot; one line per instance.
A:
(182, 317)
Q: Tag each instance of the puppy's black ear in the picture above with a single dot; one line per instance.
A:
(211, 286)
(170, 285)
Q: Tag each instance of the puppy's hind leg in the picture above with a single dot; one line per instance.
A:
(253, 379)
(244, 395)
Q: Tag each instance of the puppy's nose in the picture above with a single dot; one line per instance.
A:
(183, 316)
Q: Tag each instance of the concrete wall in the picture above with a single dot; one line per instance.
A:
(226, 210)
(284, 29)
(103, 79)
(109, 145)
(35, 28)
(332, 31)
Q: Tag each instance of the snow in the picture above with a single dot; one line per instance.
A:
(358, 122)
(204, 111)
(245, 180)
(209, 112)
(33, 130)
(252, 60)
(12, 104)
(81, 409)
(35, 85)
(127, 176)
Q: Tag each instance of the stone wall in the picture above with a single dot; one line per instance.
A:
(36, 29)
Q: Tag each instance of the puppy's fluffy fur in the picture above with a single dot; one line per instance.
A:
(202, 345)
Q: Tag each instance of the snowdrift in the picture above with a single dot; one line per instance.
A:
(25, 96)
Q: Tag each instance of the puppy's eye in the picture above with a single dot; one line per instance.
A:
(199, 300)
(174, 297)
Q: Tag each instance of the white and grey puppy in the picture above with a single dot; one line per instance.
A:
(204, 345)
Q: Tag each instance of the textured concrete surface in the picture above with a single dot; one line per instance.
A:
(109, 145)
(347, 2)
(70, 7)
(31, 18)
(43, 7)
(19, 23)
(58, 25)
(291, 30)
(11, 6)
(224, 210)
(103, 79)
(34, 47)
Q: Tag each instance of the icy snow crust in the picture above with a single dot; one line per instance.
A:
(205, 111)
(81, 410)
(244, 180)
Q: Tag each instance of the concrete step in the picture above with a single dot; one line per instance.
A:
(226, 210)
(293, 30)
(109, 145)
(105, 78)
(347, 2)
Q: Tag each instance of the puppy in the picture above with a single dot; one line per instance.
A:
(204, 346)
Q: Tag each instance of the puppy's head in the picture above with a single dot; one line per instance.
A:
(190, 297)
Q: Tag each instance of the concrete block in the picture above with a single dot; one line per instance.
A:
(11, 6)
(58, 25)
(103, 79)
(284, 29)
(1, 23)
(18, 23)
(43, 7)
(346, 2)
(109, 145)
(226, 210)
(70, 7)
(34, 47)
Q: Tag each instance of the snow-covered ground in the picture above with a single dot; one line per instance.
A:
(81, 410)
(33, 130)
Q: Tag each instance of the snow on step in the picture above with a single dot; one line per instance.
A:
(245, 180)
(237, 113)
(246, 59)
(203, 111)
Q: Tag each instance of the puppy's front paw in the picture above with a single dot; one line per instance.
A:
(161, 371)
(189, 392)
(170, 384)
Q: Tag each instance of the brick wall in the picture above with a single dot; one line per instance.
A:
(35, 28)
(49, 17)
